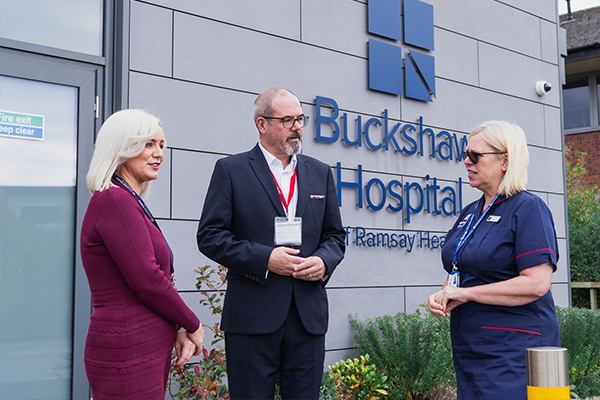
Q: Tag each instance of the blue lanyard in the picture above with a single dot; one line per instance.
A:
(148, 214)
(469, 232)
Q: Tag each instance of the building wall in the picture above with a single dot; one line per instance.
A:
(199, 65)
(589, 143)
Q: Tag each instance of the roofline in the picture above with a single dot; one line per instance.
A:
(590, 46)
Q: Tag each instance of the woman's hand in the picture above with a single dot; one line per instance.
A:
(435, 308)
(188, 345)
(531, 284)
(441, 303)
(184, 347)
(197, 337)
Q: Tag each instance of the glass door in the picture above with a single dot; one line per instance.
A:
(38, 139)
(47, 127)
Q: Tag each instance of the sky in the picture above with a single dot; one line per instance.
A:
(576, 5)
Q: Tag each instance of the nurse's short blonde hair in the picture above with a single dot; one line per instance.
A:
(507, 138)
(123, 136)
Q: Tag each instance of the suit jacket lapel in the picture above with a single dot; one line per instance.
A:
(263, 173)
(303, 179)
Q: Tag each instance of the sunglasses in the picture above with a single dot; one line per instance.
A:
(474, 156)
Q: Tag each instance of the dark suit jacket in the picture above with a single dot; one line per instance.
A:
(237, 230)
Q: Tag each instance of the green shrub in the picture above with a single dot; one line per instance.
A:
(358, 380)
(413, 350)
(580, 335)
(584, 226)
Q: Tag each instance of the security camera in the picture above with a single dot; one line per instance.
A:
(542, 87)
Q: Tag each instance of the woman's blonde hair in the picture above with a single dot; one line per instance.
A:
(122, 137)
(507, 138)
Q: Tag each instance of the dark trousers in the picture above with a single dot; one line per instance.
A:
(255, 361)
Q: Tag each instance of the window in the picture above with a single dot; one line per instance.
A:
(581, 103)
(576, 104)
(598, 96)
(74, 25)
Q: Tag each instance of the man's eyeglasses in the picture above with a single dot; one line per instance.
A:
(289, 122)
(474, 156)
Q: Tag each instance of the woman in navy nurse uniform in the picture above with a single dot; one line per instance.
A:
(500, 255)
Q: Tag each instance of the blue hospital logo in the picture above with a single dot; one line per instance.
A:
(385, 59)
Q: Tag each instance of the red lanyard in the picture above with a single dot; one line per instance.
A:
(285, 203)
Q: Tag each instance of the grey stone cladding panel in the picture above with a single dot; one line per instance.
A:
(197, 117)
(460, 108)
(544, 8)
(231, 57)
(489, 21)
(191, 176)
(553, 124)
(181, 236)
(549, 42)
(359, 303)
(159, 199)
(280, 18)
(556, 203)
(562, 272)
(339, 25)
(381, 266)
(417, 296)
(546, 172)
(516, 75)
(447, 45)
(151, 39)
(561, 294)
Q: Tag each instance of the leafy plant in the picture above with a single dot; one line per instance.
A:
(584, 226)
(414, 351)
(204, 381)
(213, 298)
(579, 329)
(357, 379)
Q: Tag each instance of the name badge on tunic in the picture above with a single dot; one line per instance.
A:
(288, 231)
(493, 218)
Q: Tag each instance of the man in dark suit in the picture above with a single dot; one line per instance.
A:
(271, 217)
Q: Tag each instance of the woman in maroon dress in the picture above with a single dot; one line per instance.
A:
(129, 265)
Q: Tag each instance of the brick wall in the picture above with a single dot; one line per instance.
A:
(589, 143)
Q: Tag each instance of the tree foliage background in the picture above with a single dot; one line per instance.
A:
(584, 226)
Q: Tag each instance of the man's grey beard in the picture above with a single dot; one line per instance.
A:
(293, 148)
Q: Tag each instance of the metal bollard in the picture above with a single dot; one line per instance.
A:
(547, 373)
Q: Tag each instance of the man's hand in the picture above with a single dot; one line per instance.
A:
(311, 269)
(283, 261)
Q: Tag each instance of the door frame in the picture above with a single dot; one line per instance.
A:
(88, 79)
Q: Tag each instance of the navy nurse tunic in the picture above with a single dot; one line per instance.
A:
(489, 341)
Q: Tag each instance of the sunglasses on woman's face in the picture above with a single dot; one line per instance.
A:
(474, 156)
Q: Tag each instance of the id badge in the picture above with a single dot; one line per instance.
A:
(453, 278)
(288, 231)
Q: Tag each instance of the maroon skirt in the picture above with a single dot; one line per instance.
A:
(128, 349)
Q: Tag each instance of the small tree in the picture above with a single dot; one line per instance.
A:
(584, 224)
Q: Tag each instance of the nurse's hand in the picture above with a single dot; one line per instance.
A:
(450, 297)
(436, 308)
